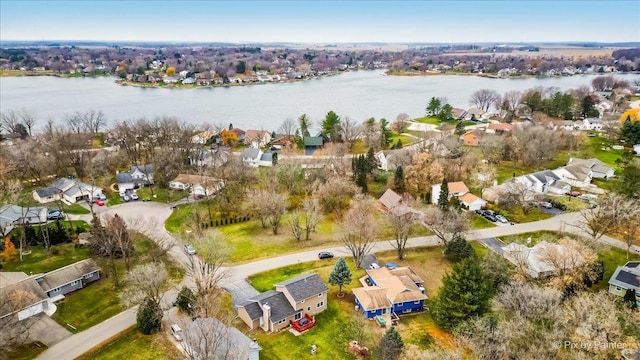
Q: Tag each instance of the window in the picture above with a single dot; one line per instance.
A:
(319, 295)
(76, 282)
(321, 304)
(417, 302)
(309, 308)
(399, 304)
(618, 288)
(297, 316)
(406, 311)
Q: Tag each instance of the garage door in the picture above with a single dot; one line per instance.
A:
(30, 311)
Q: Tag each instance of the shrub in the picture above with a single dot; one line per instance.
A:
(458, 249)
(149, 317)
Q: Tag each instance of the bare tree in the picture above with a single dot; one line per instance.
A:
(28, 119)
(146, 281)
(518, 194)
(210, 338)
(312, 216)
(447, 225)
(483, 98)
(295, 224)
(13, 298)
(401, 123)
(401, 218)
(360, 228)
(268, 206)
(350, 130)
(335, 194)
(207, 270)
(10, 120)
(288, 127)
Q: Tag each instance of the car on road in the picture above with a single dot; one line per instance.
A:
(502, 219)
(100, 202)
(176, 332)
(189, 250)
(55, 214)
(325, 255)
(546, 205)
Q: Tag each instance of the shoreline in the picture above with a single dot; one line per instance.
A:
(495, 76)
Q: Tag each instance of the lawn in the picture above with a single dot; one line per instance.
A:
(40, 261)
(76, 209)
(24, 352)
(132, 345)
(428, 120)
(99, 301)
(518, 216)
(479, 222)
(404, 138)
(536, 237)
(416, 330)
(507, 169)
(161, 194)
(573, 204)
(612, 258)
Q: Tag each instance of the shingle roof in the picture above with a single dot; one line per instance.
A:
(147, 169)
(390, 199)
(67, 274)
(372, 297)
(313, 141)
(280, 306)
(31, 293)
(268, 156)
(627, 276)
(123, 178)
(469, 199)
(457, 187)
(250, 153)
(48, 191)
(392, 286)
(63, 183)
(304, 286)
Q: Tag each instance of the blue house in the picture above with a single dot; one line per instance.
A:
(69, 278)
(390, 292)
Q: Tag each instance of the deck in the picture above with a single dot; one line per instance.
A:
(303, 324)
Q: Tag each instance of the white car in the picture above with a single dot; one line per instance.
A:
(502, 219)
(134, 196)
(189, 250)
(546, 205)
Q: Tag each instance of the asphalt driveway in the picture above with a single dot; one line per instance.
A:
(240, 291)
(46, 330)
(493, 244)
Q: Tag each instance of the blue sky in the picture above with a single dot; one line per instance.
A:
(321, 21)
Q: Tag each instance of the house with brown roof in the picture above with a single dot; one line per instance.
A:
(257, 138)
(458, 113)
(199, 185)
(461, 191)
(472, 138)
(498, 128)
(69, 278)
(388, 292)
(294, 303)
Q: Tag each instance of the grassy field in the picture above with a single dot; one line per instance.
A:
(161, 194)
(100, 301)
(572, 203)
(24, 352)
(76, 209)
(416, 330)
(132, 345)
(536, 237)
(428, 120)
(40, 260)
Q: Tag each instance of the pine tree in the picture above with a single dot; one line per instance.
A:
(361, 181)
(341, 275)
(458, 249)
(443, 198)
(460, 128)
(398, 180)
(185, 299)
(630, 298)
(465, 292)
(370, 161)
(149, 317)
(391, 345)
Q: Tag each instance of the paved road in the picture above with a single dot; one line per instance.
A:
(149, 217)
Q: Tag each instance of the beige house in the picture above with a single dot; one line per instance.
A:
(293, 303)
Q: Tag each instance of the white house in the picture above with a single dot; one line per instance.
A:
(636, 149)
(124, 181)
(142, 174)
(472, 202)
(251, 156)
(592, 124)
(461, 191)
(543, 182)
(268, 159)
(12, 215)
(574, 175)
(199, 185)
(67, 190)
(597, 167)
(257, 138)
(541, 260)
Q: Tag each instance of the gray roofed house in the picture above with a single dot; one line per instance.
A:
(69, 191)
(597, 167)
(142, 174)
(367, 262)
(251, 156)
(69, 278)
(11, 215)
(37, 299)
(47, 192)
(230, 341)
(269, 158)
(292, 300)
(626, 278)
(123, 178)
(304, 286)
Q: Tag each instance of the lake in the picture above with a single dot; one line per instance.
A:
(358, 95)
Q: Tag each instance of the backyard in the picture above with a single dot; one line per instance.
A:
(24, 352)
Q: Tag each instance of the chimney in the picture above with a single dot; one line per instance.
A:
(266, 315)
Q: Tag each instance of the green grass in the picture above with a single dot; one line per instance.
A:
(40, 261)
(479, 222)
(178, 218)
(404, 138)
(428, 120)
(99, 301)
(76, 209)
(161, 194)
(572, 203)
(506, 169)
(132, 345)
(612, 258)
(536, 237)
(24, 352)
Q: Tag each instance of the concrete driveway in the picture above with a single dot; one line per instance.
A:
(493, 244)
(46, 330)
(240, 291)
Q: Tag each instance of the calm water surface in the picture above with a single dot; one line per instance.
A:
(358, 95)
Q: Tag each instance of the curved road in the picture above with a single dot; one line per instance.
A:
(149, 218)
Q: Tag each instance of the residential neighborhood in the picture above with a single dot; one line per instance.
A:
(329, 181)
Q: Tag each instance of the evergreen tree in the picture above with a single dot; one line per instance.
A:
(398, 180)
(630, 132)
(630, 298)
(460, 128)
(391, 345)
(398, 144)
(341, 275)
(185, 300)
(433, 108)
(385, 139)
(370, 161)
(445, 112)
(465, 292)
(361, 181)
(628, 181)
(458, 249)
(149, 317)
(443, 198)
(331, 127)
(588, 108)
(304, 125)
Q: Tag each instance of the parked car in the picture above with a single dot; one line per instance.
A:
(176, 332)
(546, 205)
(502, 219)
(480, 212)
(134, 196)
(126, 198)
(99, 202)
(490, 217)
(189, 250)
(325, 255)
(101, 197)
(55, 214)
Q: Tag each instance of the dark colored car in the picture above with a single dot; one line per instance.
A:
(490, 217)
(325, 255)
